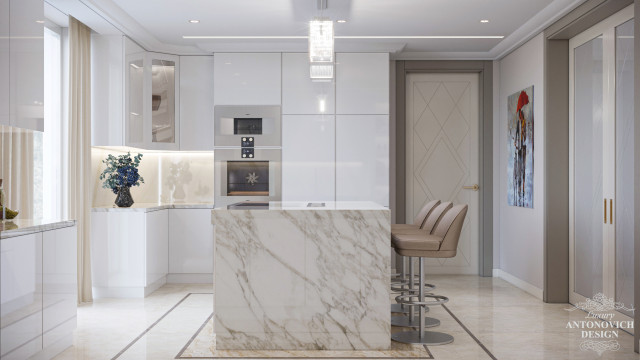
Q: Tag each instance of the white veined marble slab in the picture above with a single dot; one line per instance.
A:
(148, 207)
(294, 277)
(19, 227)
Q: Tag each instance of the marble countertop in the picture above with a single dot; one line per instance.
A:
(149, 207)
(317, 206)
(19, 227)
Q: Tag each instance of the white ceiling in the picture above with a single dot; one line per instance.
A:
(161, 24)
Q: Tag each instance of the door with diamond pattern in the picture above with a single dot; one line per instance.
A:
(443, 154)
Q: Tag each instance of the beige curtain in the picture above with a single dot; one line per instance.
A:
(80, 148)
(16, 170)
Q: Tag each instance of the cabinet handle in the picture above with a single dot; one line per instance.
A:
(610, 211)
(474, 187)
(605, 211)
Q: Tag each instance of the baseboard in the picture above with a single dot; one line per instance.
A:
(519, 283)
(100, 292)
(190, 278)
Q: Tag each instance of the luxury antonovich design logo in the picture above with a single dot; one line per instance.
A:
(600, 332)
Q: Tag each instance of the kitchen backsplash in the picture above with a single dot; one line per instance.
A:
(169, 177)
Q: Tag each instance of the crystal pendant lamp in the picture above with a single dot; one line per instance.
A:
(321, 66)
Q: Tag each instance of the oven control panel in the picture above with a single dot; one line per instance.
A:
(247, 153)
(247, 141)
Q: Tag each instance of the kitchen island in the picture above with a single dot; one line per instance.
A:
(300, 276)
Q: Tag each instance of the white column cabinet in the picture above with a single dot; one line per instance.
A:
(190, 246)
(5, 54)
(300, 95)
(308, 157)
(26, 77)
(247, 78)
(196, 103)
(362, 158)
(362, 83)
(157, 247)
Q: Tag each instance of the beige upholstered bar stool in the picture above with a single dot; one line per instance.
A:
(429, 225)
(442, 243)
(400, 282)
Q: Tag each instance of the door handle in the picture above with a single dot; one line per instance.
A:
(605, 211)
(610, 211)
(474, 187)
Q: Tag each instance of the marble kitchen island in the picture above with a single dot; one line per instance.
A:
(294, 277)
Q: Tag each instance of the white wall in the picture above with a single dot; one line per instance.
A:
(519, 231)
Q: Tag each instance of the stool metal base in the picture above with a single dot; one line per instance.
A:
(398, 309)
(405, 321)
(428, 338)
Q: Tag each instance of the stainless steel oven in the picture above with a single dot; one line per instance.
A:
(239, 178)
(232, 123)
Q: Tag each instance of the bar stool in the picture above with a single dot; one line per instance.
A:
(430, 222)
(399, 281)
(442, 243)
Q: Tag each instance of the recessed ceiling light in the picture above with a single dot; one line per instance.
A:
(484, 21)
(342, 21)
(40, 21)
(194, 21)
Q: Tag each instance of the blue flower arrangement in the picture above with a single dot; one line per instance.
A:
(121, 172)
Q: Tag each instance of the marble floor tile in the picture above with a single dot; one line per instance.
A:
(489, 319)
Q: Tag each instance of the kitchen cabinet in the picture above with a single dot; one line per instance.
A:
(21, 296)
(300, 95)
(247, 78)
(308, 157)
(152, 100)
(196, 103)
(5, 55)
(362, 158)
(129, 251)
(38, 292)
(107, 90)
(190, 246)
(362, 83)
(59, 285)
(26, 64)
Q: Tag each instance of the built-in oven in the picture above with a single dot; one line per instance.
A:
(241, 178)
(233, 122)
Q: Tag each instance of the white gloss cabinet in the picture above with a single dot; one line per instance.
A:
(300, 95)
(59, 287)
(20, 296)
(196, 103)
(247, 78)
(107, 90)
(308, 157)
(4, 62)
(362, 158)
(128, 252)
(362, 83)
(26, 78)
(190, 246)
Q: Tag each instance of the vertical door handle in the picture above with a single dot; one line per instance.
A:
(605, 211)
(610, 211)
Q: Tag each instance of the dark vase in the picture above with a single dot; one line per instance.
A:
(124, 198)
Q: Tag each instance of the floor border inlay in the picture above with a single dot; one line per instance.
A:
(470, 333)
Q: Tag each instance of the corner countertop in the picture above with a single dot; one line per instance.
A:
(149, 207)
(19, 227)
(315, 206)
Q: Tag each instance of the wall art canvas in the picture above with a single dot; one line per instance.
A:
(520, 148)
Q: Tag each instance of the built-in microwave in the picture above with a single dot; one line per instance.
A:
(232, 123)
(239, 178)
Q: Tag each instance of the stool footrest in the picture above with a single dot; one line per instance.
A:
(406, 300)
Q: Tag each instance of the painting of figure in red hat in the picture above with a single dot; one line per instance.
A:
(520, 148)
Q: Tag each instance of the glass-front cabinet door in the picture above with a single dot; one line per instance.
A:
(152, 103)
(601, 163)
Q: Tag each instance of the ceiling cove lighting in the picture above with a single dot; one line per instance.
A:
(217, 37)
(321, 49)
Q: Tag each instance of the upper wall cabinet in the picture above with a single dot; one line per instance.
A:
(26, 61)
(4, 62)
(196, 103)
(151, 100)
(300, 95)
(247, 78)
(107, 90)
(362, 83)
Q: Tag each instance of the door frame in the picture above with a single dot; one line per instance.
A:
(485, 134)
(606, 29)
